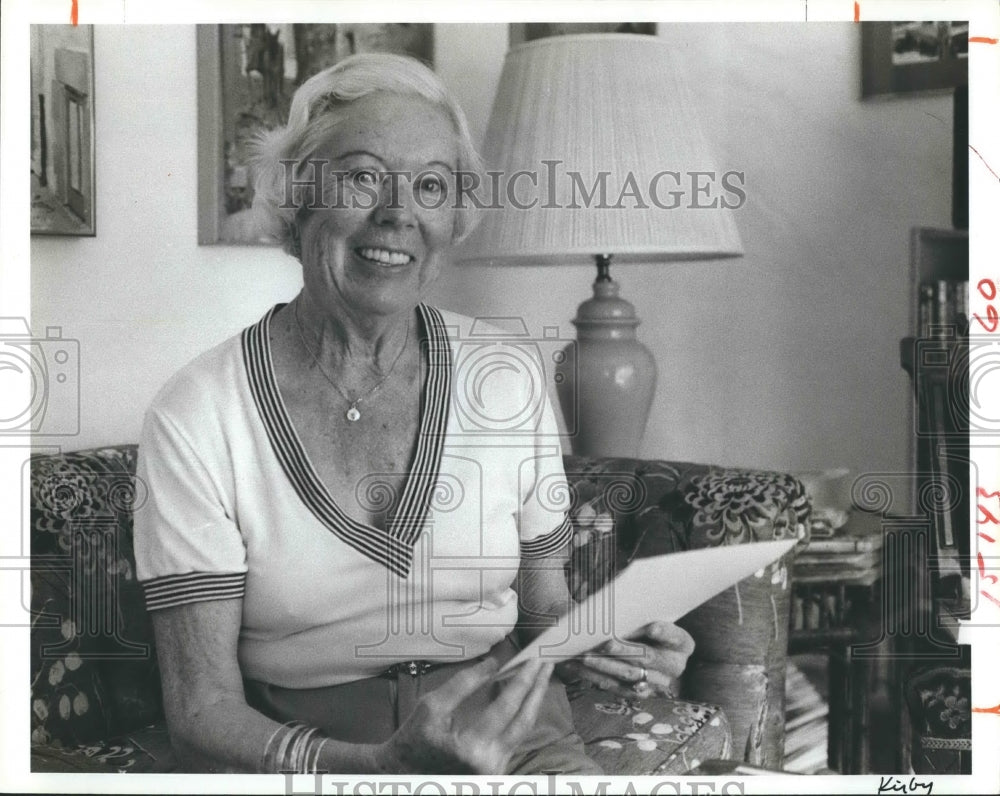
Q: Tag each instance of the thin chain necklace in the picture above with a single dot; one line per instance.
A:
(352, 414)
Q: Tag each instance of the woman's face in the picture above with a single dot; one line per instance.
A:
(388, 219)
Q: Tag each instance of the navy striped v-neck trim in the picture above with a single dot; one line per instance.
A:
(392, 547)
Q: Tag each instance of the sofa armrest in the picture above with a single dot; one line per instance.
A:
(630, 508)
(94, 673)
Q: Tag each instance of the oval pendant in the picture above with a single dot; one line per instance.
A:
(353, 414)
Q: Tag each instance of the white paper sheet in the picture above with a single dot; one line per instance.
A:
(658, 588)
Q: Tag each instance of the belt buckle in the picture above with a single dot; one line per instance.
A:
(412, 668)
(415, 668)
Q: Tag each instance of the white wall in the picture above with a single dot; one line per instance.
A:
(786, 358)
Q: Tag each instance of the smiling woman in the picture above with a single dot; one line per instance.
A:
(378, 261)
(311, 583)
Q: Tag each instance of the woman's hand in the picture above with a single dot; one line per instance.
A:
(439, 738)
(649, 663)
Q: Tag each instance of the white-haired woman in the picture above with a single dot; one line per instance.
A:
(335, 530)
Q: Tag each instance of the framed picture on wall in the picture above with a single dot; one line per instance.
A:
(906, 57)
(247, 75)
(62, 130)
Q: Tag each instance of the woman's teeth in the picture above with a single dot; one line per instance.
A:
(384, 256)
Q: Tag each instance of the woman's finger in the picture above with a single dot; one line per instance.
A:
(623, 675)
(452, 693)
(513, 692)
(658, 670)
(527, 713)
(667, 634)
(628, 671)
(665, 662)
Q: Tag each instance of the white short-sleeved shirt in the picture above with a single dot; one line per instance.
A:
(236, 510)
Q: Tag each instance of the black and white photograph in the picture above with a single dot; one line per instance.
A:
(913, 56)
(597, 404)
(918, 42)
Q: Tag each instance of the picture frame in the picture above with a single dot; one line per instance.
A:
(914, 56)
(246, 77)
(62, 130)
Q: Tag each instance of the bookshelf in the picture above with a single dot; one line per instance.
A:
(935, 355)
(939, 282)
(935, 568)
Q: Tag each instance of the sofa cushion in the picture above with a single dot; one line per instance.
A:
(146, 750)
(651, 735)
(68, 698)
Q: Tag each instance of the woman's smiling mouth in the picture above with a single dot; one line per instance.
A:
(383, 256)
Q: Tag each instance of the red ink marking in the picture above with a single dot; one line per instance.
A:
(984, 161)
(987, 538)
(990, 597)
(982, 569)
(991, 316)
(857, 12)
(988, 515)
(988, 290)
(995, 709)
(979, 490)
(74, 12)
(982, 40)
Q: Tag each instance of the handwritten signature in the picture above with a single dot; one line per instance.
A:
(896, 785)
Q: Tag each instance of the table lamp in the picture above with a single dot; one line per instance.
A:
(622, 174)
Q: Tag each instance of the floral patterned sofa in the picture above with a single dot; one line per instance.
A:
(95, 690)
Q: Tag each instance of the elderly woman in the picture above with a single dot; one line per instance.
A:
(338, 547)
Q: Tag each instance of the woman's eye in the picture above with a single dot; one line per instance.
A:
(365, 177)
(431, 183)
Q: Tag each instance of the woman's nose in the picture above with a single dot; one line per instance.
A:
(396, 204)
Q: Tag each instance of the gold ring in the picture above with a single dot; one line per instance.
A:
(643, 675)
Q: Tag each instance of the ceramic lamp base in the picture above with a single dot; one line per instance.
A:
(607, 377)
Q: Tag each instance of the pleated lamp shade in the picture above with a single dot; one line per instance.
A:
(592, 104)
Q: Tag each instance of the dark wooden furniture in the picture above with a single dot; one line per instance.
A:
(932, 670)
(836, 606)
(886, 610)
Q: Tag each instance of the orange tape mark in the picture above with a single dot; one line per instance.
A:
(995, 709)
(74, 12)
(982, 39)
(857, 12)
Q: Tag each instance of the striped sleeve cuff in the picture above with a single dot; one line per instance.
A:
(548, 543)
(192, 587)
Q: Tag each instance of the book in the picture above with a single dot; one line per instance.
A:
(943, 298)
(925, 311)
(840, 545)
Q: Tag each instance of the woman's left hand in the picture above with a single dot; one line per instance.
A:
(650, 662)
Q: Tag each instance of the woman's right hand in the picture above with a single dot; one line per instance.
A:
(439, 738)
